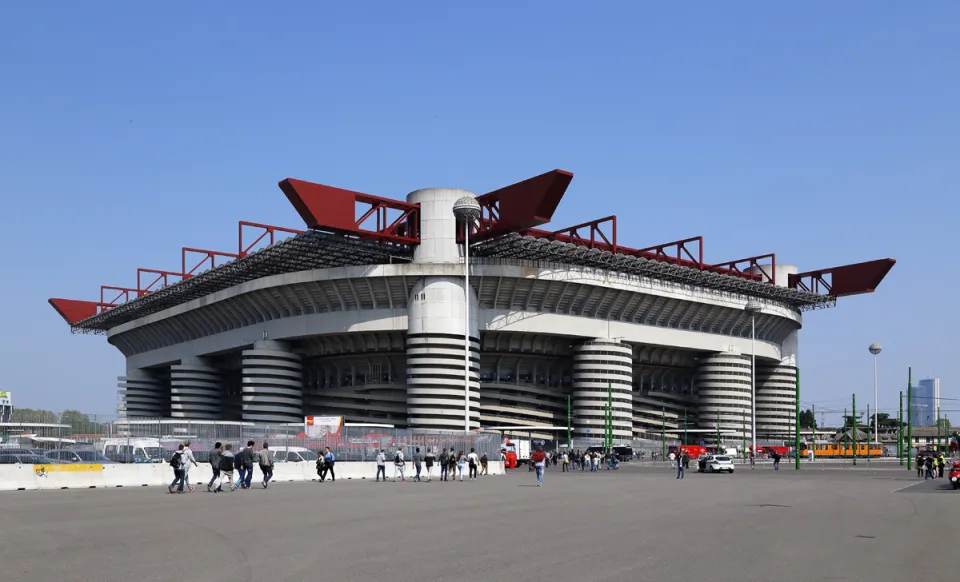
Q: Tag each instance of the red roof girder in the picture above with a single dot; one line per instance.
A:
(843, 281)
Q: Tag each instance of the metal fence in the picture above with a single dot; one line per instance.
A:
(154, 440)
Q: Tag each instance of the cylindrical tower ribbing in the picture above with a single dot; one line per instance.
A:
(144, 395)
(723, 389)
(599, 365)
(435, 354)
(195, 390)
(272, 383)
(776, 401)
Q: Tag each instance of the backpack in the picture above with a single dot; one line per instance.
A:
(443, 457)
(175, 461)
(397, 460)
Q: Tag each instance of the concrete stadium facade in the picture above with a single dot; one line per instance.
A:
(384, 343)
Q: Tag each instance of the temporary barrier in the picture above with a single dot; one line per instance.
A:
(33, 477)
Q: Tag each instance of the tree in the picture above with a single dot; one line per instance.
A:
(807, 419)
(848, 421)
(33, 416)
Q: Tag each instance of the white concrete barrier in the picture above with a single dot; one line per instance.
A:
(34, 477)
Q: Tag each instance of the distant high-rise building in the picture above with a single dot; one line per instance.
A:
(926, 401)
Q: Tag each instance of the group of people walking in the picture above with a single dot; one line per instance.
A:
(224, 463)
(451, 463)
(931, 465)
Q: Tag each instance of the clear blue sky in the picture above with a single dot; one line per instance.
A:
(827, 132)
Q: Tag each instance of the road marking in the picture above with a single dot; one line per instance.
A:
(907, 487)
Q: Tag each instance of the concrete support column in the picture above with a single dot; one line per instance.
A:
(144, 393)
(599, 366)
(723, 389)
(435, 356)
(196, 390)
(272, 383)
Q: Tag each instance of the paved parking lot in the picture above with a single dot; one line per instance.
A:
(635, 524)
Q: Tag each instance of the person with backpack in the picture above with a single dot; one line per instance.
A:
(321, 467)
(266, 465)
(215, 456)
(398, 466)
(176, 463)
(474, 462)
(428, 461)
(417, 462)
(484, 460)
(226, 470)
(452, 465)
(444, 459)
(538, 459)
(329, 460)
(381, 466)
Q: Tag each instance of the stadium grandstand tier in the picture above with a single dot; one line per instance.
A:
(361, 313)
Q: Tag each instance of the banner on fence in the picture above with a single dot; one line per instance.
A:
(322, 426)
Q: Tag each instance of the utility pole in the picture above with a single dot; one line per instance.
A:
(900, 430)
(854, 429)
(718, 432)
(869, 444)
(569, 443)
(938, 429)
(684, 427)
(743, 432)
(796, 443)
(663, 429)
(909, 417)
(610, 413)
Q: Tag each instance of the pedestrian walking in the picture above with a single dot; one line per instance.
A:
(776, 461)
(461, 464)
(226, 470)
(215, 456)
(240, 462)
(538, 458)
(473, 461)
(452, 462)
(266, 465)
(188, 459)
(919, 466)
(941, 463)
(417, 462)
(176, 463)
(428, 461)
(381, 466)
(566, 462)
(444, 464)
(248, 461)
(680, 469)
(329, 460)
(398, 466)
(484, 461)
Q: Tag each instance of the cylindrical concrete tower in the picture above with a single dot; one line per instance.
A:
(435, 356)
(195, 390)
(272, 383)
(776, 400)
(723, 388)
(598, 366)
(781, 272)
(144, 394)
(435, 329)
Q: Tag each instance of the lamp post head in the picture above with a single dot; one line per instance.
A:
(466, 208)
(875, 348)
(753, 307)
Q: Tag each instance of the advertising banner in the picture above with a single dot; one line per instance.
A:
(317, 427)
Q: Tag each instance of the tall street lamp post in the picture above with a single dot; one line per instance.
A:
(466, 209)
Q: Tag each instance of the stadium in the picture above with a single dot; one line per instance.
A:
(362, 313)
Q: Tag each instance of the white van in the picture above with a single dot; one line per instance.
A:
(293, 455)
(137, 450)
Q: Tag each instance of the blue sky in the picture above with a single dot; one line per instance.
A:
(825, 132)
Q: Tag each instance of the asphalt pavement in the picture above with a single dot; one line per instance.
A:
(638, 523)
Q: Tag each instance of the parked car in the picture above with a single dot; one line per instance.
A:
(82, 456)
(7, 459)
(293, 455)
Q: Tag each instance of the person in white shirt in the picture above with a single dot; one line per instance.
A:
(381, 466)
(474, 461)
(187, 459)
(398, 466)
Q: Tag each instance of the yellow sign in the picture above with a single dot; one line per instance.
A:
(68, 468)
